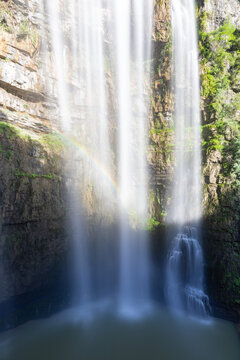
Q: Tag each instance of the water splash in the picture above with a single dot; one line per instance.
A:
(185, 262)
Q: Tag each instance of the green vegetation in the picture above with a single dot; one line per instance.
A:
(231, 278)
(153, 224)
(54, 141)
(8, 154)
(26, 31)
(11, 132)
(39, 147)
(158, 204)
(8, 130)
(163, 132)
(220, 53)
(19, 173)
(158, 34)
(220, 76)
(220, 63)
(3, 23)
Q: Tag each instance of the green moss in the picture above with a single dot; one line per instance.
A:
(8, 154)
(163, 131)
(20, 174)
(158, 34)
(54, 141)
(236, 282)
(8, 130)
(153, 224)
(158, 204)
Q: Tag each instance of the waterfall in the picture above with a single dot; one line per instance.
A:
(92, 41)
(185, 261)
(132, 29)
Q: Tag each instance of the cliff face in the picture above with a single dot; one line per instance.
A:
(32, 212)
(23, 95)
(220, 10)
(219, 30)
(161, 146)
(31, 187)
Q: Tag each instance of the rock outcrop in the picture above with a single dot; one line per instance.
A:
(23, 93)
(220, 10)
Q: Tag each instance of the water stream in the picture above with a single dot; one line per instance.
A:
(102, 47)
(185, 262)
(132, 29)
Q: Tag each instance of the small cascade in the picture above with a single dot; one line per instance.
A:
(185, 275)
(184, 288)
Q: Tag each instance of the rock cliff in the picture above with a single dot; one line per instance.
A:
(161, 146)
(31, 182)
(219, 30)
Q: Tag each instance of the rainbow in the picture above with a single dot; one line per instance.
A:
(97, 163)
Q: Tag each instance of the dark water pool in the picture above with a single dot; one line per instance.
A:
(75, 335)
